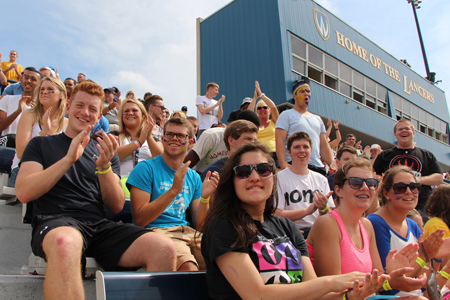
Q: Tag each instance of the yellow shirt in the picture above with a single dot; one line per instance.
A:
(436, 223)
(11, 74)
(267, 136)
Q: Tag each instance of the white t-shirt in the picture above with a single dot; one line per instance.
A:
(9, 104)
(297, 191)
(210, 147)
(127, 164)
(205, 121)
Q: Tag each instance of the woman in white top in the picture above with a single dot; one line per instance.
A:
(136, 142)
(46, 117)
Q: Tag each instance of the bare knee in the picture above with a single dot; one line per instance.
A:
(188, 266)
(163, 255)
(62, 242)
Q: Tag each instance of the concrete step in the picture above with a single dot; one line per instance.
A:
(31, 287)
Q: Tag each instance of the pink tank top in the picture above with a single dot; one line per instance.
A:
(352, 259)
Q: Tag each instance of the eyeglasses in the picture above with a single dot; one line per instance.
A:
(160, 106)
(180, 136)
(404, 129)
(130, 113)
(262, 107)
(244, 171)
(356, 183)
(400, 187)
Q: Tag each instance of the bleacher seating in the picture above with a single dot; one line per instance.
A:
(6, 157)
(151, 285)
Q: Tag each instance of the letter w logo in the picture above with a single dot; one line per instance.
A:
(322, 24)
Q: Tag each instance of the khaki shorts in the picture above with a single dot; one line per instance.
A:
(188, 246)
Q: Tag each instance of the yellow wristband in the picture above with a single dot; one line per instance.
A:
(204, 200)
(386, 285)
(325, 209)
(103, 171)
(421, 262)
(344, 296)
(444, 274)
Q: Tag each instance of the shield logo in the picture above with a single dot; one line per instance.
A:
(322, 24)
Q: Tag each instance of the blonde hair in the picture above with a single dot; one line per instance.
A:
(182, 114)
(122, 129)
(134, 95)
(38, 109)
(261, 103)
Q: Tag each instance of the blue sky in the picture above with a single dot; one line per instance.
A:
(148, 45)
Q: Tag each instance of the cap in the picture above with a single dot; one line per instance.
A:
(184, 108)
(374, 146)
(109, 89)
(246, 100)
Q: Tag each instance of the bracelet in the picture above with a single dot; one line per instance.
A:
(325, 209)
(103, 171)
(204, 200)
(439, 261)
(138, 144)
(336, 129)
(386, 285)
(344, 296)
(260, 96)
(444, 274)
(421, 262)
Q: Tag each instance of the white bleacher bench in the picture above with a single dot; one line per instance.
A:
(151, 285)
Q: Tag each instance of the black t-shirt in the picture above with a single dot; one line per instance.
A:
(276, 253)
(233, 115)
(77, 194)
(421, 161)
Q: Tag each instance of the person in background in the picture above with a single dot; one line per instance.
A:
(344, 154)
(245, 103)
(268, 115)
(81, 77)
(130, 95)
(185, 110)
(70, 85)
(241, 228)
(11, 68)
(210, 111)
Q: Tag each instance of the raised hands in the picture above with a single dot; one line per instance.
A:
(210, 184)
(46, 122)
(107, 147)
(78, 144)
(257, 89)
(320, 200)
(178, 179)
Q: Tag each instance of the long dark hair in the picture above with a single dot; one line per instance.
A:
(439, 204)
(227, 204)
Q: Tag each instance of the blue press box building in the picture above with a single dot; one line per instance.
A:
(353, 79)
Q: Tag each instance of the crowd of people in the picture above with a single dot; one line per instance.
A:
(266, 203)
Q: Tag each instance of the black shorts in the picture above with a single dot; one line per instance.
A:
(104, 240)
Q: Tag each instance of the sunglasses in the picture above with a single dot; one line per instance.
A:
(244, 171)
(356, 183)
(262, 107)
(400, 187)
(160, 106)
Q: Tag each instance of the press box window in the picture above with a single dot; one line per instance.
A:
(298, 47)
(299, 65)
(315, 74)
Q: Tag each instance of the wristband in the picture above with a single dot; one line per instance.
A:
(386, 285)
(439, 261)
(336, 129)
(103, 171)
(444, 274)
(421, 262)
(204, 200)
(344, 296)
(260, 96)
(325, 209)
(138, 144)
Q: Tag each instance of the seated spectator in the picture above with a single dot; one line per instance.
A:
(156, 111)
(130, 95)
(236, 134)
(135, 141)
(111, 110)
(344, 154)
(303, 194)
(147, 95)
(252, 254)
(81, 77)
(179, 114)
(47, 71)
(163, 188)
(343, 241)
(212, 147)
(70, 84)
(414, 215)
(245, 103)
(14, 89)
(393, 230)
(69, 178)
(268, 115)
(11, 69)
(194, 123)
(45, 118)
(11, 107)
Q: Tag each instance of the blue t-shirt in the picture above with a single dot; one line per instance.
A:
(156, 177)
(13, 89)
(103, 123)
(292, 121)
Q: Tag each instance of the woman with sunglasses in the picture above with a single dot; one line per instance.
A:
(46, 117)
(343, 241)
(252, 254)
(130, 95)
(393, 230)
(265, 109)
(136, 142)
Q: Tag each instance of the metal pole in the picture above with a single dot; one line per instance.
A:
(421, 43)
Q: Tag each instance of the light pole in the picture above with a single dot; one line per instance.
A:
(431, 76)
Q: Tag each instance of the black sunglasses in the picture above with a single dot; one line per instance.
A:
(356, 183)
(244, 171)
(400, 187)
(261, 107)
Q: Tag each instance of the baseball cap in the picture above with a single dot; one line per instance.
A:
(374, 146)
(110, 89)
(184, 108)
(246, 100)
